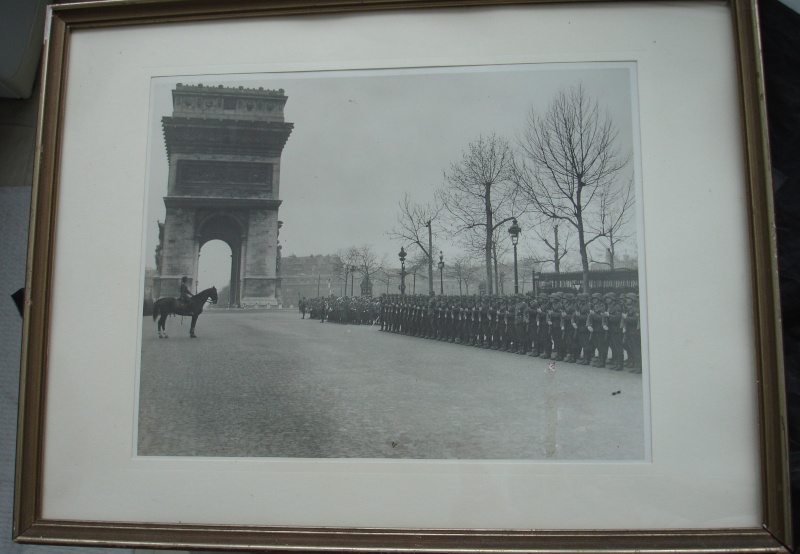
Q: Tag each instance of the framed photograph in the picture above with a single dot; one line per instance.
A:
(403, 275)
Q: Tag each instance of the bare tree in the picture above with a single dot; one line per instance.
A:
(527, 266)
(413, 224)
(415, 228)
(385, 276)
(504, 273)
(418, 266)
(501, 246)
(347, 264)
(463, 271)
(613, 220)
(570, 157)
(556, 239)
(479, 196)
(368, 263)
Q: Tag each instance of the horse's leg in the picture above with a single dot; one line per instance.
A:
(155, 315)
(162, 325)
(191, 329)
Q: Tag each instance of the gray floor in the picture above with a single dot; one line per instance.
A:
(282, 386)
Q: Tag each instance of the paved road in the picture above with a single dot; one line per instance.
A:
(271, 384)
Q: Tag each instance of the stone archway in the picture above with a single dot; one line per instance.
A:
(224, 149)
(230, 230)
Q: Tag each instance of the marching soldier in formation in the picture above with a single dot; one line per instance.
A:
(544, 324)
(560, 326)
(598, 327)
(582, 324)
(615, 331)
(631, 339)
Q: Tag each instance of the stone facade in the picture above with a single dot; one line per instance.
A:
(224, 149)
(311, 276)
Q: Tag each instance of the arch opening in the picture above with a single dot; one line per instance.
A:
(220, 255)
(215, 268)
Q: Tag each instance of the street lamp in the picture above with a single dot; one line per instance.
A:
(514, 231)
(352, 280)
(430, 257)
(441, 273)
(536, 276)
(402, 257)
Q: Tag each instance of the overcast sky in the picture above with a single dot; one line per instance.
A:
(362, 139)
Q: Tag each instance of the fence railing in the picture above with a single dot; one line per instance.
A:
(599, 280)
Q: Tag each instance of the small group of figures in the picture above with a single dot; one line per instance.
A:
(602, 330)
(355, 310)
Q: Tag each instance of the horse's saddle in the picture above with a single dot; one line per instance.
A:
(183, 307)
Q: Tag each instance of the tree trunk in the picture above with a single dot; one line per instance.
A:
(498, 286)
(430, 258)
(488, 245)
(611, 253)
(582, 239)
(556, 258)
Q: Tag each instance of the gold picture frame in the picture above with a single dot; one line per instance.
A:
(31, 525)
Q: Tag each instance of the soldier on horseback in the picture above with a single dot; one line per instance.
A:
(186, 295)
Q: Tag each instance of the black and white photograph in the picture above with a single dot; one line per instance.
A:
(440, 263)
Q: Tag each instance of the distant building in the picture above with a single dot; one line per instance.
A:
(311, 276)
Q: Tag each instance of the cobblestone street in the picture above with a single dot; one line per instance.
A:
(269, 384)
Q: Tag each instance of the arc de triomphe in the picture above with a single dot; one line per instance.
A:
(224, 149)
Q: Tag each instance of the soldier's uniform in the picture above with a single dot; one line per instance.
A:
(493, 317)
(528, 318)
(543, 320)
(520, 346)
(457, 322)
(506, 325)
(583, 320)
(632, 329)
(556, 330)
(493, 314)
(599, 330)
(615, 331)
(472, 323)
(483, 324)
(430, 314)
(570, 326)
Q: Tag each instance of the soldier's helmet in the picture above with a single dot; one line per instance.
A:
(611, 296)
(597, 296)
(584, 296)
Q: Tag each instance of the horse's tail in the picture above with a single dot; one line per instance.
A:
(156, 306)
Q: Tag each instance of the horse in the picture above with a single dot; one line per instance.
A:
(169, 305)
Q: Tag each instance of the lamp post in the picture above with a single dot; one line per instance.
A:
(352, 279)
(514, 231)
(536, 276)
(441, 273)
(402, 257)
(430, 257)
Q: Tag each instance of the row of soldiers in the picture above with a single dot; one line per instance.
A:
(602, 330)
(356, 310)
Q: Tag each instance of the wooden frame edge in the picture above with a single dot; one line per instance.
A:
(30, 429)
(286, 539)
(30, 527)
(766, 294)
